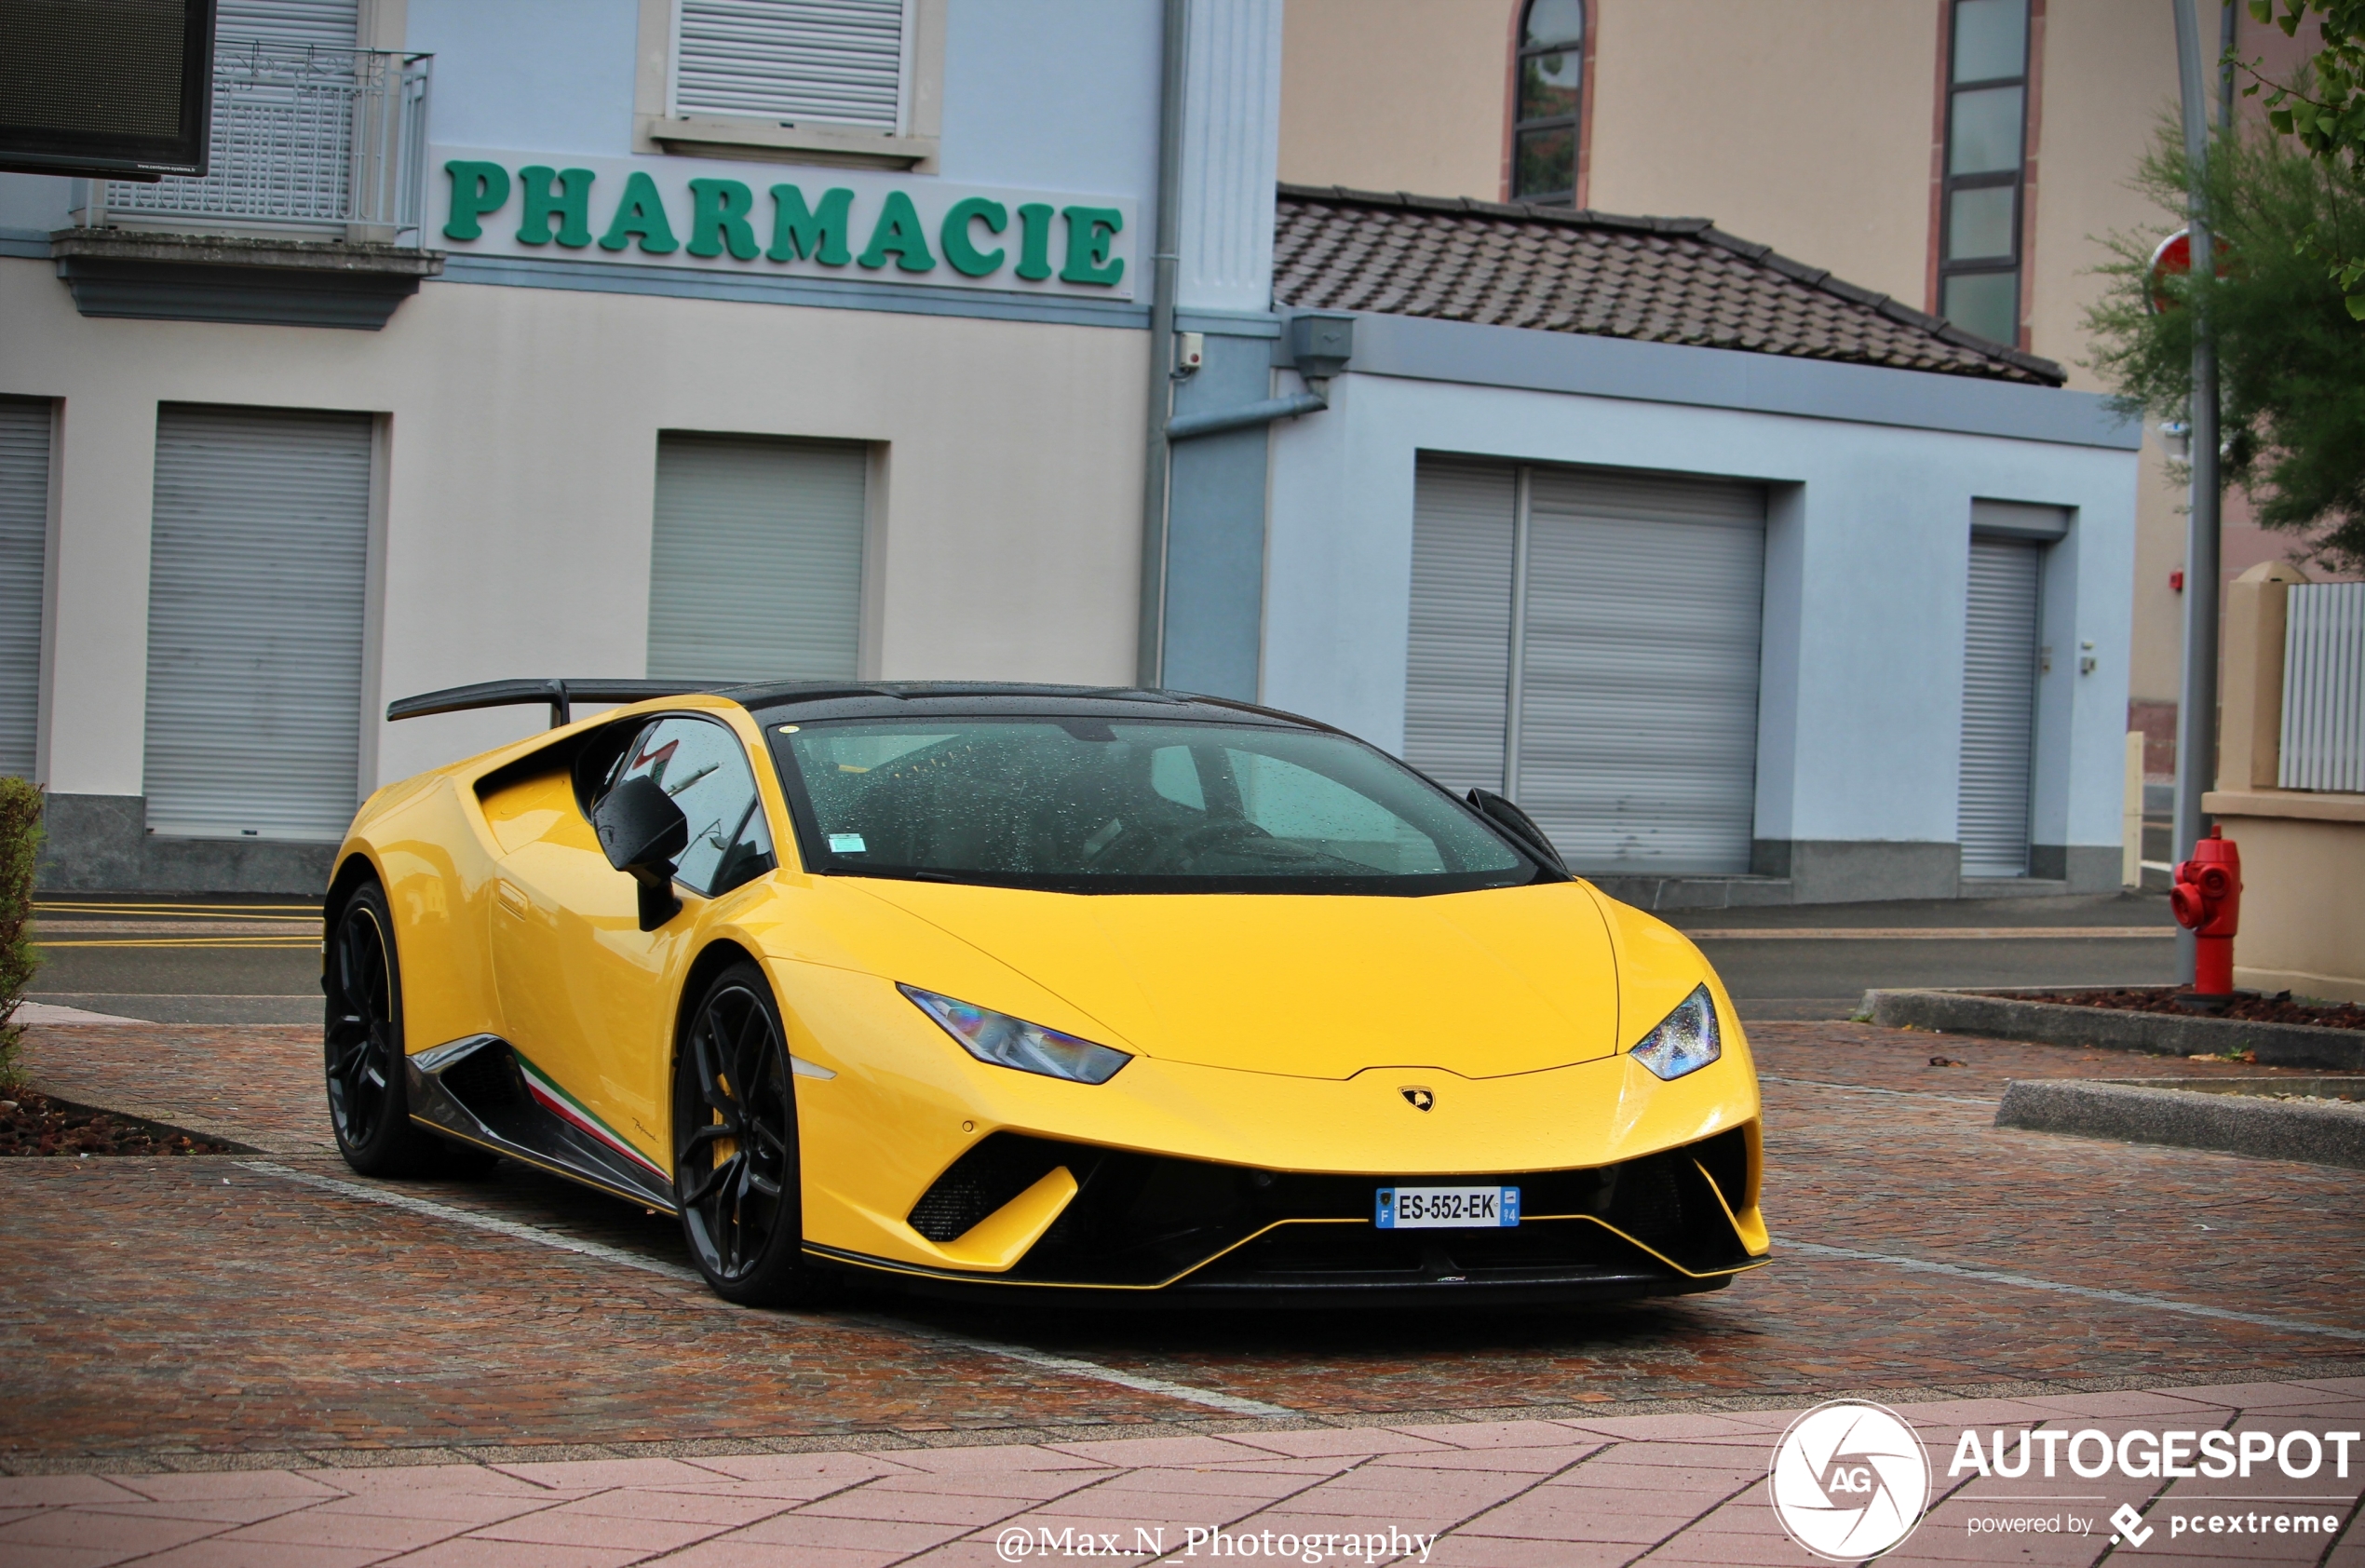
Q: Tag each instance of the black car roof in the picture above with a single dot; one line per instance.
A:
(982, 699)
(860, 699)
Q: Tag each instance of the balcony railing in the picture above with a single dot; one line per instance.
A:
(322, 142)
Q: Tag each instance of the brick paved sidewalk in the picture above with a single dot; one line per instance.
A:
(196, 1314)
(1571, 1493)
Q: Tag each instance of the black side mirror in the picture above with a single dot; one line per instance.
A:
(642, 833)
(1520, 826)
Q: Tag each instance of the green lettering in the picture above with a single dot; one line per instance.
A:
(476, 189)
(641, 212)
(562, 194)
(1091, 232)
(816, 235)
(966, 259)
(718, 211)
(898, 236)
(1034, 242)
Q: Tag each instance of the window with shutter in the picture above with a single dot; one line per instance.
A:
(844, 62)
(24, 532)
(756, 558)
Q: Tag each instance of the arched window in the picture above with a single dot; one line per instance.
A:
(1551, 75)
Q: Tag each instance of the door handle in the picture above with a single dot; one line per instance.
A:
(510, 899)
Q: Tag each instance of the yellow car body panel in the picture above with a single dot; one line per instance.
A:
(1273, 1033)
(1311, 985)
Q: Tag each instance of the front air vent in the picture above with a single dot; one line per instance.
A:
(983, 1180)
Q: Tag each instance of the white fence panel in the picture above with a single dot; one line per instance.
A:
(2324, 688)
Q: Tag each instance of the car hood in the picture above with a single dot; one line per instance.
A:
(1482, 984)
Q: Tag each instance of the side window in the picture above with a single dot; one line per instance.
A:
(704, 767)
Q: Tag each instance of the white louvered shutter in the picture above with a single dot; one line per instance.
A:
(24, 534)
(1457, 670)
(799, 62)
(2323, 731)
(1999, 707)
(756, 561)
(321, 24)
(257, 569)
(1638, 723)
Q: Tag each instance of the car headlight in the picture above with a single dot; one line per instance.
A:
(1012, 1042)
(1685, 1040)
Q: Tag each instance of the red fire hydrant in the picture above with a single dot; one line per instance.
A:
(2207, 900)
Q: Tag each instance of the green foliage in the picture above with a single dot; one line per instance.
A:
(20, 838)
(2323, 110)
(2290, 363)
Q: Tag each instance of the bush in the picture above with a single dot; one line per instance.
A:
(20, 838)
(2291, 359)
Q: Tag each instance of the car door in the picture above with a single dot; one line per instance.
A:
(584, 993)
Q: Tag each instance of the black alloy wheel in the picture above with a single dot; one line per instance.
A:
(735, 1145)
(369, 1103)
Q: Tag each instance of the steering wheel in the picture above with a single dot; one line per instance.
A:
(1180, 851)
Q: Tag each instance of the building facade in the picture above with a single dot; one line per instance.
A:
(733, 339)
(1970, 158)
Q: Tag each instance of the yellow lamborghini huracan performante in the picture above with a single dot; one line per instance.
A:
(1035, 990)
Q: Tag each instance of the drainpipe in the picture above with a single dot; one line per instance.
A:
(1319, 344)
(1174, 68)
(1316, 396)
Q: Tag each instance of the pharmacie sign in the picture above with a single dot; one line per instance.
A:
(757, 219)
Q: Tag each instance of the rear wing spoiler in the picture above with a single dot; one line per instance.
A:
(560, 695)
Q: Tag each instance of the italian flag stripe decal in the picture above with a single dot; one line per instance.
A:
(565, 1106)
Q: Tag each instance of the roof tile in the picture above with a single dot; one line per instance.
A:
(1654, 280)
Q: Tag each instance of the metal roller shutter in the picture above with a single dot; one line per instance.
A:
(24, 535)
(1605, 632)
(756, 561)
(836, 61)
(257, 578)
(322, 24)
(1458, 670)
(1637, 718)
(1999, 707)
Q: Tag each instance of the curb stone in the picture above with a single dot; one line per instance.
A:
(2180, 1112)
(2063, 1024)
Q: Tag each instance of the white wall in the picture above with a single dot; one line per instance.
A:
(1867, 556)
(521, 479)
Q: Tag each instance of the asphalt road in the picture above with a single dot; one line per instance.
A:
(184, 965)
(1816, 960)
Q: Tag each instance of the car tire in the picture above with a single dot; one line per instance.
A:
(362, 1050)
(736, 1176)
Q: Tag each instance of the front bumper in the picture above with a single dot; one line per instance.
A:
(1192, 1231)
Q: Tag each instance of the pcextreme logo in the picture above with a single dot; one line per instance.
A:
(1849, 1479)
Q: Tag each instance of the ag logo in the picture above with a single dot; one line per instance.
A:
(1419, 1099)
(1849, 1479)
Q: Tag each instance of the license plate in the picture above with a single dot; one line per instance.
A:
(1446, 1208)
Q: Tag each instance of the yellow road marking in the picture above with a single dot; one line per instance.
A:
(287, 943)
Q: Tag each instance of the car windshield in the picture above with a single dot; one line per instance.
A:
(1102, 805)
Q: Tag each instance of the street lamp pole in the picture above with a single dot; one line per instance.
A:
(2197, 705)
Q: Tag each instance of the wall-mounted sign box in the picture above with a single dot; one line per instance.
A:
(120, 93)
(741, 217)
